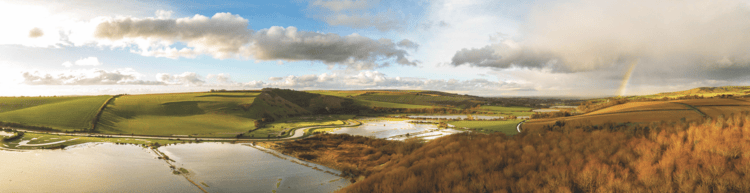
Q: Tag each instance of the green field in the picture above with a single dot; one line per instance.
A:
(508, 127)
(195, 114)
(517, 111)
(60, 113)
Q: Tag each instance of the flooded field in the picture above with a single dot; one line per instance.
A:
(5, 134)
(240, 168)
(105, 167)
(455, 116)
(89, 168)
(395, 129)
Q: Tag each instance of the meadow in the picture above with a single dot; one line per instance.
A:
(58, 113)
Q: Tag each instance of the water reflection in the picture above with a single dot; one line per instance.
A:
(237, 168)
(88, 168)
(105, 167)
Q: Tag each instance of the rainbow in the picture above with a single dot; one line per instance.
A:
(626, 78)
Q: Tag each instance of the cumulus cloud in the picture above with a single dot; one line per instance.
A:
(290, 44)
(89, 61)
(221, 36)
(355, 14)
(186, 78)
(36, 32)
(220, 78)
(586, 35)
(405, 43)
(378, 80)
(227, 36)
(82, 77)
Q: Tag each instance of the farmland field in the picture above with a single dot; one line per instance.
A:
(726, 111)
(641, 106)
(713, 102)
(60, 113)
(196, 114)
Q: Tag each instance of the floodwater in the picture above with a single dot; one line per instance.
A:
(5, 134)
(240, 168)
(105, 167)
(89, 168)
(455, 116)
(394, 130)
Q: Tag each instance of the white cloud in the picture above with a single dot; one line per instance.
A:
(82, 77)
(378, 80)
(186, 78)
(89, 61)
(221, 78)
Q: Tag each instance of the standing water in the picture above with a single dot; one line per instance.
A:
(105, 167)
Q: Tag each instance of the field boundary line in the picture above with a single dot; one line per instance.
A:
(694, 108)
(95, 121)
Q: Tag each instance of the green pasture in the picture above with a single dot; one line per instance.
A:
(508, 127)
(215, 114)
(60, 113)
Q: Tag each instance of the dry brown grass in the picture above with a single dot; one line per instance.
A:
(712, 102)
(715, 111)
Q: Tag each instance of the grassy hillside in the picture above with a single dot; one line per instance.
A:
(61, 113)
(198, 114)
(283, 103)
(405, 98)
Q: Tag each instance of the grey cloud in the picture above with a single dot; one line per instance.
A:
(289, 44)
(670, 37)
(36, 32)
(405, 43)
(226, 36)
(221, 36)
(504, 56)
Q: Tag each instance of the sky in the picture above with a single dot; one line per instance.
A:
(582, 48)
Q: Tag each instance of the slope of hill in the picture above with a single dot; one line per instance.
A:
(281, 103)
(201, 114)
(59, 113)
